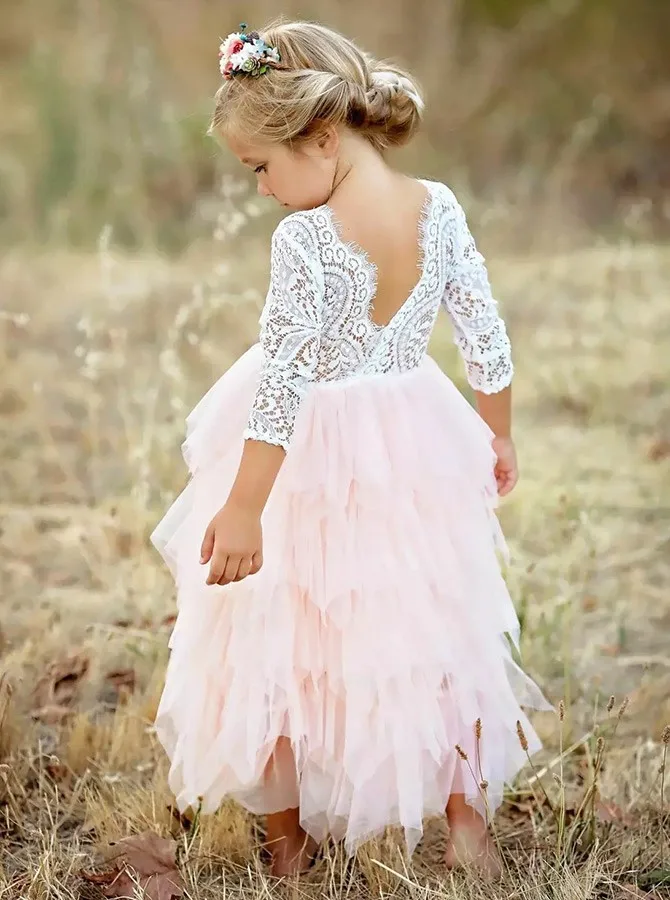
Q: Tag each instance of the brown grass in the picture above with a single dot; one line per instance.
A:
(100, 360)
(553, 117)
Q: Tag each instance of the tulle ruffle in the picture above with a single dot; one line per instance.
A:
(378, 630)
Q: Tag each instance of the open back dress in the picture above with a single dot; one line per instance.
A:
(380, 628)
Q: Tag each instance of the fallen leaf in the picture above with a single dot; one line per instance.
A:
(607, 811)
(57, 771)
(145, 860)
(60, 683)
(589, 603)
(631, 892)
(660, 449)
(123, 680)
(52, 715)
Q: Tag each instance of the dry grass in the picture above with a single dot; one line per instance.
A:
(101, 358)
(554, 108)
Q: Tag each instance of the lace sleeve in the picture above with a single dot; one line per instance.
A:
(479, 332)
(289, 337)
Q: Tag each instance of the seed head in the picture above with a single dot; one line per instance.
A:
(665, 735)
(561, 711)
(484, 785)
(522, 736)
(622, 708)
(610, 704)
(478, 729)
(461, 752)
(600, 744)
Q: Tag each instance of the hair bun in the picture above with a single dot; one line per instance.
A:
(394, 106)
(393, 82)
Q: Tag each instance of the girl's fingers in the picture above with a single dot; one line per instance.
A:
(217, 568)
(244, 568)
(226, 568)
(509, 480)
(230, 570)
(207, 547)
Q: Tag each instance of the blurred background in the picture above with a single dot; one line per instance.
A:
(133, 266)
(553, 114)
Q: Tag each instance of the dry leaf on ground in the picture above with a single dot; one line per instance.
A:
(59, 685)
(145, 860)
(123, 680)
(607, 811)
(659, 450)
(52, 715)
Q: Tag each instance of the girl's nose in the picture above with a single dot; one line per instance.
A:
(264, 190)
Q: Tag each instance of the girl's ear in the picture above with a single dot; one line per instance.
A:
(327, 140)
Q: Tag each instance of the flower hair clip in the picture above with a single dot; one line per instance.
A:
(245, 53)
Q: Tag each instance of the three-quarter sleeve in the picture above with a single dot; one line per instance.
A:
(289, 337)
(479, 331)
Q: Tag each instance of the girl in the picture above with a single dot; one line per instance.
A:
(340, 660)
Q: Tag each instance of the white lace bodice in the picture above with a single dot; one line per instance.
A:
(316, 324)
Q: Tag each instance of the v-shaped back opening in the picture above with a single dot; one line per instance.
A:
(357, 250)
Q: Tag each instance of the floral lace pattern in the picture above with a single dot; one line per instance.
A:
(317, 326)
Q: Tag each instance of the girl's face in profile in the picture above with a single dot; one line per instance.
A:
(298, 177)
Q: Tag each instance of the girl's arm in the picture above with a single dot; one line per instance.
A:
(482, 340)
(290, 339)
(256, 475)
(496, 411)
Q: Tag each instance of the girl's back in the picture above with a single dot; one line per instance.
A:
(386, 221)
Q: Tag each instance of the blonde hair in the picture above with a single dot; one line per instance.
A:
(323, 78)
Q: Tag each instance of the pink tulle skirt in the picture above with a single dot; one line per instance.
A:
(378, 631)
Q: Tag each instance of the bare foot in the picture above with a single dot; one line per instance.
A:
(292, 856)
(470, 845)
(291, 848)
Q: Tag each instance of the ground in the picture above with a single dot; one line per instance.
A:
(101, 358)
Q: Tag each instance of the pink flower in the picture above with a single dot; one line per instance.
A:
(232, 44)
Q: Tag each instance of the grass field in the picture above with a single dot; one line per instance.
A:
(101, 358)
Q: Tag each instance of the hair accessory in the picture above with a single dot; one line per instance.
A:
(245, 53)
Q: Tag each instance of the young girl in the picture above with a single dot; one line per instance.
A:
(340, 659)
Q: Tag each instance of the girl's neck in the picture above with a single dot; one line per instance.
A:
(361, 173)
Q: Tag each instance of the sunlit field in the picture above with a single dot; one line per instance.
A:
(133, 272)
(101, 360)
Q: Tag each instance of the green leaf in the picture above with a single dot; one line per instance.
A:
(655, 878)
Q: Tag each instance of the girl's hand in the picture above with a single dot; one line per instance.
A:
(234, 544)
(506, 469)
